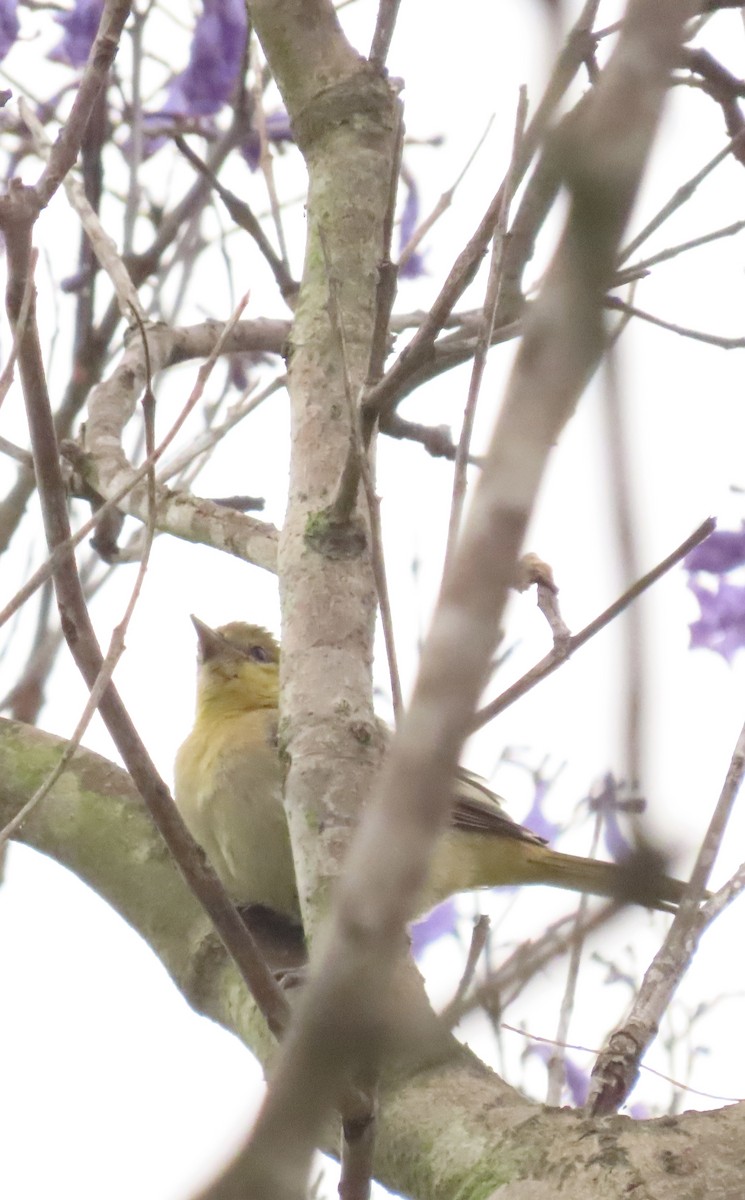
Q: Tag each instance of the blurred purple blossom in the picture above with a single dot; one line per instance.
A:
(414, 267)
(80, 26)
(441, 922)
(278, 130)
(214, 62)
(606, 801)
(9, 25)
(243, 367)
(576, 1080)
(721, 626)
(721, 551)
(639, 1112)
(536, 820)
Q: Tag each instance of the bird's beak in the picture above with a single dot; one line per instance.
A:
(210, 641)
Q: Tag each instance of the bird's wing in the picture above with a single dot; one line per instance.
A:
(476, 809)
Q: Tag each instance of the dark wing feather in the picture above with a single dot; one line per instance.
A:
(476, 809)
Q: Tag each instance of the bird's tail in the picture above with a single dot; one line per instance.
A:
(639, 880)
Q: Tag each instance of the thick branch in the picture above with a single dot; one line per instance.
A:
(114, 402)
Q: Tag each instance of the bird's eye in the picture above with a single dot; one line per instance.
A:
(259, 654)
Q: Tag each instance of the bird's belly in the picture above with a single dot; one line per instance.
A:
(237, 816)
(252, 845)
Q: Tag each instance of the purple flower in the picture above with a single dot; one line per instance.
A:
(81, 27)
(616, 842)
(278, 130)
(9, 25)
(721, 626)
(639, 1111)
(536, 821)
(606, 801)
(575, 1079)
(242, 367)
(441, 922)
(413, 268)
(214, 63)
(721, 551)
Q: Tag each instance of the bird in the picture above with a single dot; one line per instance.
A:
(228, 788)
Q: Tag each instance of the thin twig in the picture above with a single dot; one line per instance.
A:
(643, 266)
(684, 1087)
(556, 1064)
(437, 440)
(243, 216)
(116, 647)
(6, 378)
(617, 1068)
(443, 204)
(357, 1153)
(633, 629)
(479, 936)
(61, 551)
(486, 330)
(103, 245)
(385, 292)
(137, 132)
(206, 441)
(553, 660)
(24, 457)
(381, 42)
(679, 197)
(527, 962)
(356, 468)
(384, 396)
(265, 157)
(70, 136)
(710, 339)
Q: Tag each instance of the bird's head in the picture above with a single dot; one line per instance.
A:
(238, 667)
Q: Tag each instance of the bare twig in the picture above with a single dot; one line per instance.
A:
(684, 1087)
(242, 214)
(553, 660)
(479, 935)
(357, 1155)
(265, 157)
(711, 339)
(436, 440)
(533, 570)
(384, 27)
(111, 504)
(617, 1068)
(556, 1065)
(94, 77)
(443, 204)
(680, 197)
(204, 442)
(24, 457)
(632, 628)
(116, 647)
(502, 986)
(104, 246)
(486, 330)
(386, 394)
(356, 468)
(385, 292)
(637, 270)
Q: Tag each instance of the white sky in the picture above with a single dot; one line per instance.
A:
(105, 1066)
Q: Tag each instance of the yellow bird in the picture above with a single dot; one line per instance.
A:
(229, 792)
